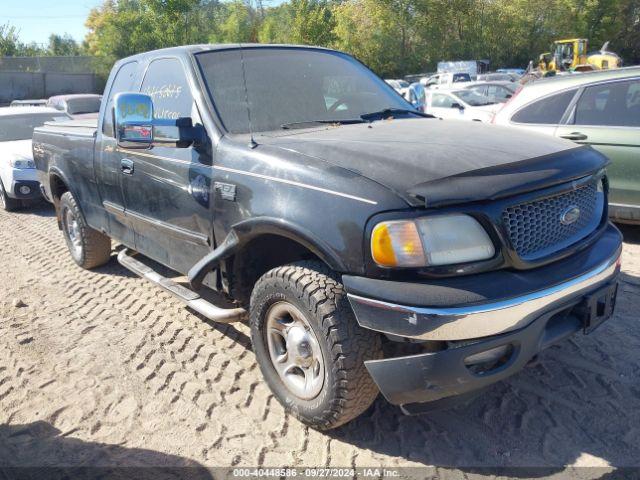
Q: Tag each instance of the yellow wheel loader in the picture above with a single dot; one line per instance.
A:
(571, 55)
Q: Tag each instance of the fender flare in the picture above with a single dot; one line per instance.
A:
(57, 172)
(247, 230)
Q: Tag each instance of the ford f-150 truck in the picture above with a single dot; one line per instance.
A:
(370, 247)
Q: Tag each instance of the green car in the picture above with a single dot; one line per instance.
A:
(601, 109)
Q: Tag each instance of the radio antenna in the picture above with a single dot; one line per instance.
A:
(252, 142)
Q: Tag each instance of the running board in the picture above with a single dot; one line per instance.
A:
(192, 299)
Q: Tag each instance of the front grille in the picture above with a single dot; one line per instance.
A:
(536, 230)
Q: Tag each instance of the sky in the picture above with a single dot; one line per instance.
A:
(37, 19)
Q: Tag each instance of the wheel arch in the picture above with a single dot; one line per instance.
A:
(257, 245)
(58, 186)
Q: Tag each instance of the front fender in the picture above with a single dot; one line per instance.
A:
(247, 230)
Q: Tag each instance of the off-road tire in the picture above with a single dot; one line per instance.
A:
(315, 290)
(7, 203)
(95, 248)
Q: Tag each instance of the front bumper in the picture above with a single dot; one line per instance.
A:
(25, 190)
(27, 178)
(524, 324)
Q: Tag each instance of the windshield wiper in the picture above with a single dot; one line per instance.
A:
(389, 112)
(349, 121)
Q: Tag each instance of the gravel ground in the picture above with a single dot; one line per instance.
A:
(102, 368)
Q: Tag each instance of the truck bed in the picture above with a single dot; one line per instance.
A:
(66, 147)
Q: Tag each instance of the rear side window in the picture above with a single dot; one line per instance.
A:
(547, 111)
(611, 104)
(122, 83)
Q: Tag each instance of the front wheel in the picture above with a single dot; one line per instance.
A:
(309, 346)
(88, 247)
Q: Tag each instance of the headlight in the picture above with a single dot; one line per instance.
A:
(23, 164)
(430, 241)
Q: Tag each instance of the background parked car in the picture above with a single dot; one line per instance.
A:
(499, 92)
(417, 96)
(399, 86)
(446, 80)
(34, 102)
(601, 109)
(18, 179)
(78, 106)
(497, 77)
(460, 104)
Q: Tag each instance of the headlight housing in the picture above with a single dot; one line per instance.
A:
(430, 241)
(23, 164)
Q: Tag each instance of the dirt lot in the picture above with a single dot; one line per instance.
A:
(102, 368)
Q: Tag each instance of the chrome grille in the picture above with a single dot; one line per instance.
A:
(536, 230)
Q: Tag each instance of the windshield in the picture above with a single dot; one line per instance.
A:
(461, 77)
(474, 99)
(20, 127)
(291, 86)
(76, 106)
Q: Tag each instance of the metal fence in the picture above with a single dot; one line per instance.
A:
(42, 77)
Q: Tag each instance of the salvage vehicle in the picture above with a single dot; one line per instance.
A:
(496, 92)
(463, 104)
(78, 105)
(416, 95)
(571, 54)
(18, 178)
(371, 247)
(601, 109)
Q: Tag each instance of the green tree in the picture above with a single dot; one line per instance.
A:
(312, 22)
(9, 41)
(62, 45)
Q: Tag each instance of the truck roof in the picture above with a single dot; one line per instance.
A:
(191, 49)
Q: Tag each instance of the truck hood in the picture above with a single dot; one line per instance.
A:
(16, 150)
(435, 162)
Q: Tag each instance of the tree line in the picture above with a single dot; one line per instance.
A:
(394, 37)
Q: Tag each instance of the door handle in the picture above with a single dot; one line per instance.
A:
(575, 136)
(126, 166)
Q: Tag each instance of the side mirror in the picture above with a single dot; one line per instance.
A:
(133, 120)
(458, 106)
(136, 128)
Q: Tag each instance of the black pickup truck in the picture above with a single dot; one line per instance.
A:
(371, 248)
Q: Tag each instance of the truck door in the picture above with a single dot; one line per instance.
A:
(107, 159)
(167, 190)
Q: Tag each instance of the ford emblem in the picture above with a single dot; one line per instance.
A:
(570, 215)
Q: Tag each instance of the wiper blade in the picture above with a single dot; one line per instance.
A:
(349, 121)
(389, 112)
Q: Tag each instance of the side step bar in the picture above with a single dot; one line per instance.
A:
(189, 297)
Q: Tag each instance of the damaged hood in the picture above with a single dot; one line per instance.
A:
(434, 162)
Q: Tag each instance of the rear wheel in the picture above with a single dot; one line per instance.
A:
(309, 346)
(7, 203)
(88, 247)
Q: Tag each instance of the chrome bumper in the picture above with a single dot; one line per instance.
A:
(481, 320)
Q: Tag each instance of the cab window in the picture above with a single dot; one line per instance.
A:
(123, 82)
(166, 83)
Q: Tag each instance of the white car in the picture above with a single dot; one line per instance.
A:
(400, 86)
(446, 80)
(461, 105)
(18, 180)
